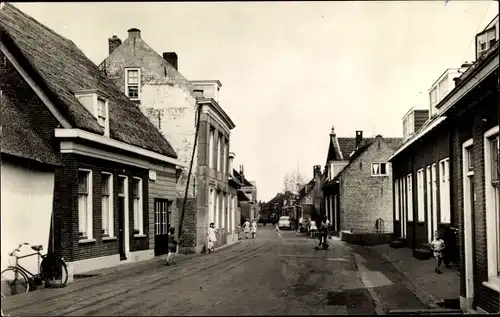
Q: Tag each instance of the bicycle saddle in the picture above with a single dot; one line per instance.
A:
(37, 247)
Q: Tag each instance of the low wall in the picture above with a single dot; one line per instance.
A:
(366, 238)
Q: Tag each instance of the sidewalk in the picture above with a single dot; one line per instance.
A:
(429, 287)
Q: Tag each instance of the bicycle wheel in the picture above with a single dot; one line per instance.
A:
(54, 271)
(14, 281)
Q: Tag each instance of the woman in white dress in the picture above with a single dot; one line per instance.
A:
(254, 228)
(246, 227)
(212, 238)
(313, 229)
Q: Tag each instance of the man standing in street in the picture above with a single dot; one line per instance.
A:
(301, 221)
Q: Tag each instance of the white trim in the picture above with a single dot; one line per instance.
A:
(127, 69)
(417, 136)
(126, 216)
(38, 91)
(468, 230)
(396, 200)
(207, 109)
(81, 134)
(428, 185)
(404, 207)
(380, 167)
(111, 214)
(106, 110)
(90, 212)
(444, 191)
(140, 212)
(491, 221)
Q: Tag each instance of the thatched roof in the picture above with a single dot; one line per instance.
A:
(15, 131)
(61, 69)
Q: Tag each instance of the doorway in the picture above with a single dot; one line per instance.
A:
(404, 207)
(428, 183)
(122, 217)
(468, 201)
(162, 214)
(434, 200)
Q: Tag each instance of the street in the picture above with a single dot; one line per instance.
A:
(266, 276)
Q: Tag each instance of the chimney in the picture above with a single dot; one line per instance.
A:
(113, 43)
(171, 58)
(466, 64)
(134, 34)
(359, 138)
(198, 93)
(316, 170)
(242, 173)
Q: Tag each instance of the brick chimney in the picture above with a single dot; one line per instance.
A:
(242, 174)
(134, 33)
(113, 43)
(359, 138)
(171, 58)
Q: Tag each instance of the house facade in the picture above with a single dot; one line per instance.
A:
(310, 197)
(188, 114)
(358, 187)
(109, 151)
(467, 171)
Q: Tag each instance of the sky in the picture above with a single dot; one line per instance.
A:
(291, 70)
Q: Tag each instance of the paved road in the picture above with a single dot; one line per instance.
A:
(265, 276)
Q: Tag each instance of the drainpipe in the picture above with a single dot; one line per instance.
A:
(190, 171)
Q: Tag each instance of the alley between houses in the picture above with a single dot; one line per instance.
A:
(266, 276)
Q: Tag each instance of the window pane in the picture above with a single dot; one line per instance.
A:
(494, 160)
(105, 184)
(469, 154)
(83, 182)
(375, 168)
(382, 169)
(133, 77)
(105, 215)
(82, 215)
(133, 91)
(135, 188)
(136, 214)
(121, 185)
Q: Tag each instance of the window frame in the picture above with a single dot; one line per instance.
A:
(211, 144)
(420, 195)
(492, 231)
(138, 85)
(380, 168)
(111, 204)
(396, 199)
(487, 43)
(89, 211)
(140, 212)
(409, 197)
(444, 195)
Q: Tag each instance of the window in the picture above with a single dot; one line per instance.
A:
(224, 212)
(219, 152)
(137, 196)
(409, 196)
(470, 159)
(224, 166)
(396, 199)
(162, 212)
(379, 169)
(211, 148)
(101, 112)
(444, 190)
(492, 199)
(485, 40)
(217, 209)
(132, 80)
(420, 195)
(107, 204)
(85, 204)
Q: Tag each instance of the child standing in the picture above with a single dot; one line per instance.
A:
(172, 246)
(254, 228)
(277, 230)
(438, 246)
(246, 227)
(212, 238)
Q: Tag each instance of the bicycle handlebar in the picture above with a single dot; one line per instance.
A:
(18, 248)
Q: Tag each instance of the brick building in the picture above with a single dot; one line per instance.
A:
(358, 188)
(310, 197)
(110, 152)
(467, 122)
(175, 105)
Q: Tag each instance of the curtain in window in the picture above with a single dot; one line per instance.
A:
(82, 214)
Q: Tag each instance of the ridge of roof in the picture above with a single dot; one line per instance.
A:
(62, 68)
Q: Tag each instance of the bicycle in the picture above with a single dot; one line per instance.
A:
(52, 269)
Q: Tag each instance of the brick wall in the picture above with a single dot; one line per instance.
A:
(363, 198)
(66, 208)
(472, 124)
(187, 240)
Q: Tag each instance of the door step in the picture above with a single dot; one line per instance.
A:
(397, 244)
(422, 254)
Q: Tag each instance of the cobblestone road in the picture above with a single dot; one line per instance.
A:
(265, 276)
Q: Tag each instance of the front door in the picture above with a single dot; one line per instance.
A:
(468, 201)
(121, 227)
(434, 201)
(161, 226)
(428, 182)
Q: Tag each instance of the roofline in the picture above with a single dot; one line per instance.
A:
(490, 24)
(96, 138)
(31, 82)
(417, 136)
(207, 81)
(218, 108)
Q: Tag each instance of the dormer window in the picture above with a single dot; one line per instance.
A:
(485, 40)
(132, 82)
(96, 102)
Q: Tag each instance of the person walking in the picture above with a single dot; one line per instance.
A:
(211, 237)
(438, 246)
(301, 221)
(313, 229)
(323, 231)
(277, 227)
(246, 228)
(254, 228)
(172, 246)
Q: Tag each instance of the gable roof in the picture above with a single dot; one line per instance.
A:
(60, 68)
(242, 180)
(15, 130)
(392, 143)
